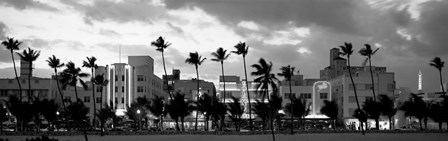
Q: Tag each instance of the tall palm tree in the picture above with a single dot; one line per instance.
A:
(100, 80)
(219, 113)
(157, 107)
(55, 63)
(242, 49)
(236, 111)
(330, 109)
(12, 45)
(438, 64)
(105, 114)
(161, 45)
(71, 76)
(368, 52)
(90, 63)
(347, 50)
(196, 60)
(219, 56)
(301, 108)
(275, 104)
(373, 110)
(29, 56)
(265, 78)
(287, 72)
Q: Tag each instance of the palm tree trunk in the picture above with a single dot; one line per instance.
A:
(182, 122)
(248, 95)
(177, 124)
(166, 75)
(76, 94)
(197, 98)
(224, 85)
(440, 126)
(292, 106)
(59, 89)
(420, 123)
(354, 90)
(371, 76)
(377, 123)
(390, 123)
(94, 102)
(17, 77)
(161, 122)
(29, 81)
(441, 82)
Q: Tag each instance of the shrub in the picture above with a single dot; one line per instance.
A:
(42, 138)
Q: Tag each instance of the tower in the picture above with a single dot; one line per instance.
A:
(419, 80)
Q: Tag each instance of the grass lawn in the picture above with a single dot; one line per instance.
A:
(280, 137)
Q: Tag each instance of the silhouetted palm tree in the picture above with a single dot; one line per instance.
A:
(132, 111)
(12, 45)
(100, 80)
(219, 113)
(438, 64)
(242, 49)
(437, 113)
(29, 56)
(219, 56)
(161, 45)
(301, 108)
(330, 109)
(388, 108)
(55, 63)
(373, 110)
(22, 111)
(347, 50)
(204, 105)
(105, 114)
(48, 109)
(90, 63)
(236, 111)
(71, 75)
(173, 110)
(265, 78)
(195, 60)
(287, 72)
(261, 110)
(415, 107)
(3, 116)
(157, 107)
(368, 52)
(275, 104)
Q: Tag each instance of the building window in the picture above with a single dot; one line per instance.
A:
(87, 99)
(305, 95)
(36, 81)
(323, 95)
(98, 100)
(98, 89)
(122, 77)
(122, 89)
(67, 99)
(369, 98)
(288, 95)
(351, 99)
(3, 93)
(116, 100)
(139, 89)
(116, 89)
(10, 81)
(139, 77)
(351, 111)
(24, 81)
(369, 86)
(122, 99)
(116, 78)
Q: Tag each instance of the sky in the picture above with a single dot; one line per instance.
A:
(300, 33)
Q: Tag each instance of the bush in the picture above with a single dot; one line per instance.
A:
(4, 139)
(42, 138)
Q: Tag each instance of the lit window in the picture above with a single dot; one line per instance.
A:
(87, 99)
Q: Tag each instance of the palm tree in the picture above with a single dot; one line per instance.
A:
(90, 63)
(275, 104)
(71, 75)
(265, 78)
(287, 72)
(29, 56)
(55, 63)
(219, 56)
(173, 111)
(242, 49)
(3, 116)
(137, 110)
(368, 52)
(330, 109)
(12, 45)
(236, 111)
(219, 113)
(436, 113)
(438, 64)
(103, 115)
(261, 110)
(204, 105)
(301, 108)
(373, 110)
(48, 110)
(415, 107)
(196, 60)
(387, 108)
(22, 111)
(161, 45)
(157, 107)
(100, 80)
(347, 50)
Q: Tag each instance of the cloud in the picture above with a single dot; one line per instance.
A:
(27, 4)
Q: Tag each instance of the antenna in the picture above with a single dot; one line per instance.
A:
(119, 53)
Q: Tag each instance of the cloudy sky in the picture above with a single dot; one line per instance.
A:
(409, 33)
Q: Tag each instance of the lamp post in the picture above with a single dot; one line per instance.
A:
(138, 118)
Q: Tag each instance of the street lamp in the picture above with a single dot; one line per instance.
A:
(138, 118)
